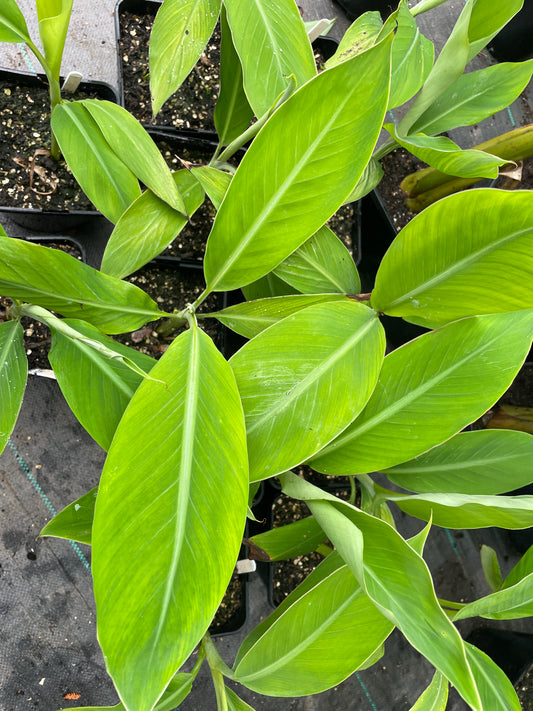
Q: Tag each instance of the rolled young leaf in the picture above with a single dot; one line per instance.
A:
(97, 389)
(57, 281)
(75, 521)
(296, 174)
(178, 459)
(430, 389)
(179, 34)
(321, 265)
(479, 462)
(298, 383)
(320, 634)
(481, 247)
(103, 176)
(134, 146)
(233, 113)
(13, 374)
(13, 27)
(252, 317)
(402, 591)
(54, 18)
(148, 226)
(272, 43)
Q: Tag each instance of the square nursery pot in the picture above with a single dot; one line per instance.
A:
(29, 179)
(514, 42)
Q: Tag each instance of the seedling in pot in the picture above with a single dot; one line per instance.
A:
(53, 17)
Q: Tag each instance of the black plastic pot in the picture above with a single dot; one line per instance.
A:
(512, 651)
(514, 42)
(355, 8)
(42, 220)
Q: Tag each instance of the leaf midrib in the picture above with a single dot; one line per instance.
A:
(277, 195)
(314, 375)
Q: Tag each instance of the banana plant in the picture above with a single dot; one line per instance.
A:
(312, 384)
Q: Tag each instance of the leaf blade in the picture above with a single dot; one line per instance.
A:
(188, 493)
(13, 374)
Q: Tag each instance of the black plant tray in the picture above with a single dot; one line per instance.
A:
(37, 219)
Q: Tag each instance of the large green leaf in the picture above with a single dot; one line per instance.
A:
(54, 18)
(478, 23)
(396, 579)
(272, 43)
(512, 603)
(13, 27)
(474, 97)
(103, 176)
(53, 279)
(495, 689)
(321, 265)
(480, 462)
(178, 460)
(430, 389)
(75, 521)
(296, 173)
(435, 697)
(464, 511)
(97, 388)
(251, 317)
(412, 58)
(148, 226)
(471, 253)
(134, 146)
(179, 34)
(445, 155)
(233, 113)
(13, 374)
(320, 634)
(298, 383)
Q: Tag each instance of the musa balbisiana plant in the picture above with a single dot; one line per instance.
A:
(190, 436)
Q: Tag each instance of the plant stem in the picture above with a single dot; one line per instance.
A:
(385, 149)
(353, 491)
(217, 668)
(54, 89)
(252, 130)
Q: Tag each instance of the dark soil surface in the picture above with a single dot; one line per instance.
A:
(28, 176)
(397, 165)
(232, 610)
(288, 574)
(192, 106)
(524, 690)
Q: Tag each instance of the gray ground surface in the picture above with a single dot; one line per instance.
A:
(47, 615)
